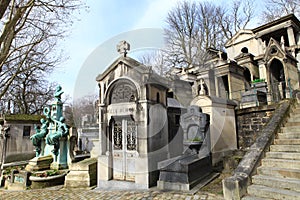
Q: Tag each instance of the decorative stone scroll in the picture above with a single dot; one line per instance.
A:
(123, 93)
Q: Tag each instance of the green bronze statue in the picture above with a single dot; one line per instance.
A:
(62, 131)
(40, 134)
(58, 92)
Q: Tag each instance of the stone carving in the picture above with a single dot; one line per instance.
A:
(40, 134)
(202, 88)
(123, 93)
(194, 124)
(194, 166)
(123, 47)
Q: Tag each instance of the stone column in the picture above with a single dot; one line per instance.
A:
(262, 70)
(102, 132)
(102, 92)
(217, 86)
(291, 36)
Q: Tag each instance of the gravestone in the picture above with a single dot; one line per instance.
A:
(19, 180)
(194, 166)
(194, 124)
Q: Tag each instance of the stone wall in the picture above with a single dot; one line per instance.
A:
(250, 122)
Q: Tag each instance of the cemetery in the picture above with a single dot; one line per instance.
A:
(173, 132)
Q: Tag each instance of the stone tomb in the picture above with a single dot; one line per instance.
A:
(133, 126)
(194, 166)
(256, 96)
(222, 127)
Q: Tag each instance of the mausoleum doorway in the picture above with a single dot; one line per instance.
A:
(277, 80)
(124, 147)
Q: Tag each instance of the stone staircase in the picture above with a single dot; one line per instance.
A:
(278, 177)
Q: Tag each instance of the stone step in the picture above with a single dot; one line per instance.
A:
(276, 182)
(272, 193)
(285, 148)
(283, 155)
(288, 135)
(296, 111)
(293, 129)
(287, 141)
(281, 163)
(295, 118)
(254, 198)
(295, 114)
(292, 124)
(279, 172)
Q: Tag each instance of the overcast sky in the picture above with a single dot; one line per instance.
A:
(107, 19)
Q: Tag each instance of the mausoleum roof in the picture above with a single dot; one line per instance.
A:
(290, 17)
(21, 117)
(126, 60)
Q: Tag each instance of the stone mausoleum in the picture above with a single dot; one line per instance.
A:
(140, 111)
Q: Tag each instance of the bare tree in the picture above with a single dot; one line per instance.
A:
(85, 111)
(279, 8)
(155, 60)
(181, 34)
(237, 17)
(29, 93)
(193, 28)
(30, 31)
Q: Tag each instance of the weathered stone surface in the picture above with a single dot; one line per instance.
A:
(183, 172)
(234, 187)
(82, 174)
(253, 98)
(250, 122)
(39, 163)
(43, 182)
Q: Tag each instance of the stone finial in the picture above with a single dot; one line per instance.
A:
(123, 47)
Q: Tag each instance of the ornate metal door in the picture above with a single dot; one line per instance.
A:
(124, 149)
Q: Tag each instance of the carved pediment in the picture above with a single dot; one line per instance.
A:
(241, 36)
(125, 66)
(274, 50)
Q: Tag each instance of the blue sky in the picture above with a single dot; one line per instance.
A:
(106, 19)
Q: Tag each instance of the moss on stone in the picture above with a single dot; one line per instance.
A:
(22, 117)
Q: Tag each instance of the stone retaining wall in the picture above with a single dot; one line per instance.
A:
(250, 122)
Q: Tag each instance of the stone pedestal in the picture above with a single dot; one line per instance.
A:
(253, 98)
(256, 96)
(39, 163)
(82, 174)
(63, 158)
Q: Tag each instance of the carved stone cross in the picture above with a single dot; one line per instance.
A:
(123, 47)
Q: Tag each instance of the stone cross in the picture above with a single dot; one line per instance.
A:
(123, 47)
